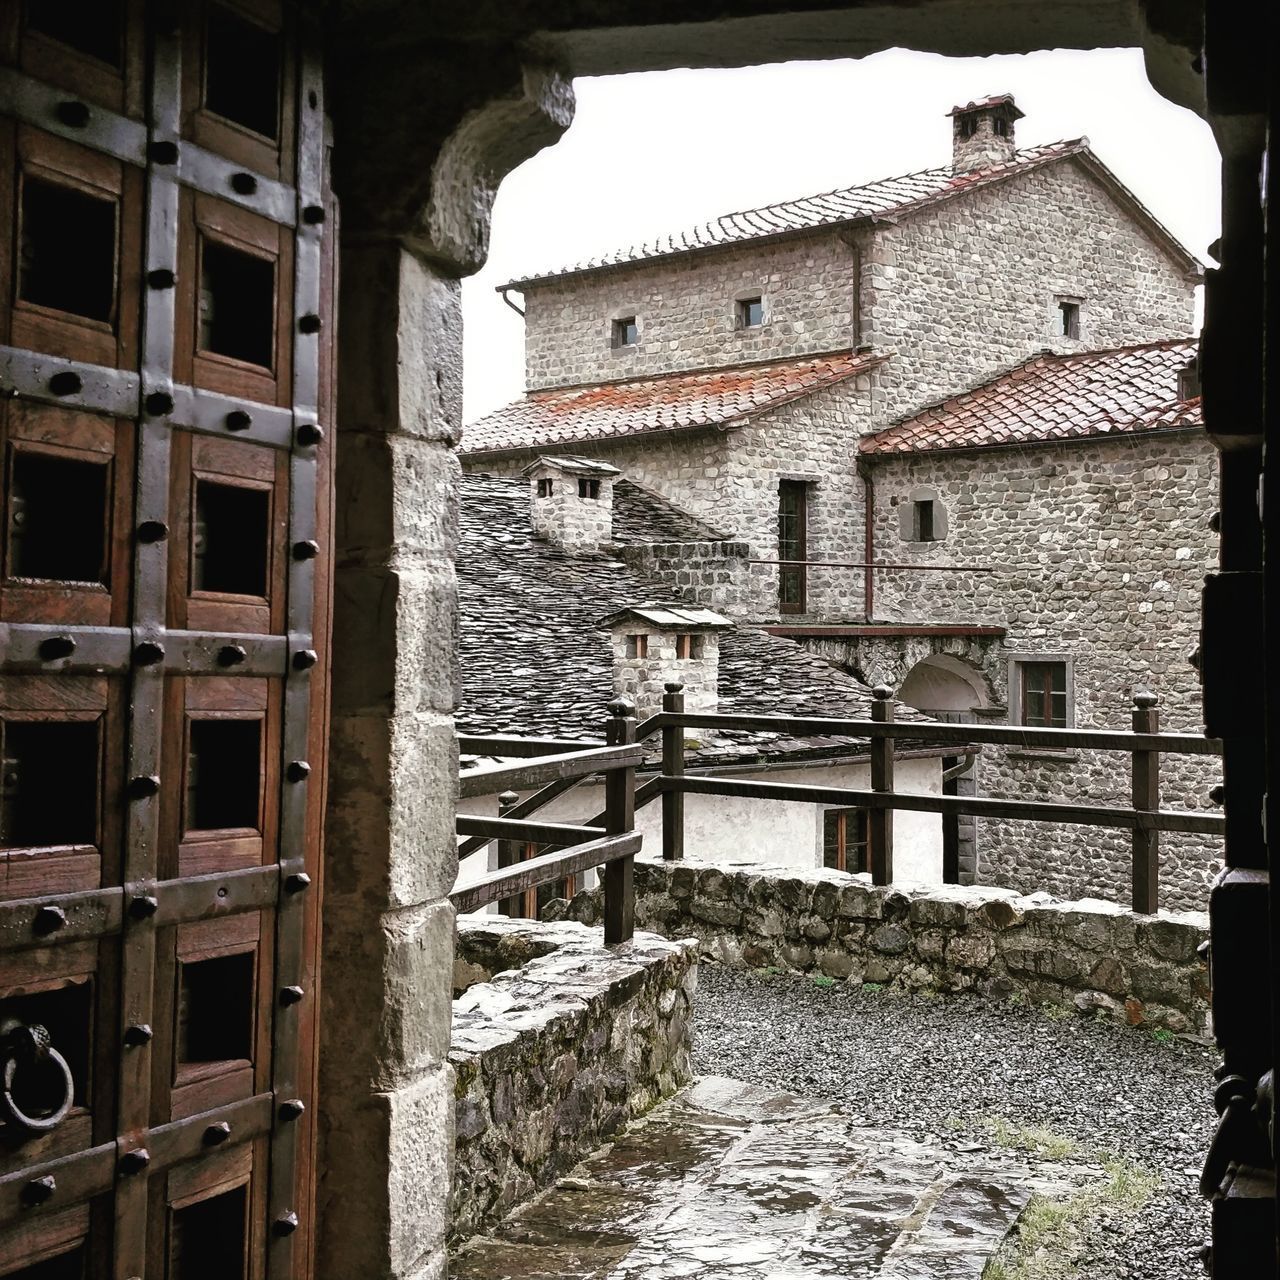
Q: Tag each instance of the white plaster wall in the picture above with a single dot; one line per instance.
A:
(779, 832)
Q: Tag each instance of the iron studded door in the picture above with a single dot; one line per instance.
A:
(165, 293)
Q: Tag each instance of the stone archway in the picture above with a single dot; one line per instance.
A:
(944, 686)
(435, 103)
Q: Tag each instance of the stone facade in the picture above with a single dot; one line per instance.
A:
(648, 657)
(713, 574)
(1097, 551)
(1088, 956)
(687, 314)
(557, 1043)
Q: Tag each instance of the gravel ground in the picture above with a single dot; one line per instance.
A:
(935, 1067)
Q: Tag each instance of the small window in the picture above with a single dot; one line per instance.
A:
(968, 126)
(626, 332)
(242, 73)
(65, 1266)
(237, 304)
(67, 251)
(224, 767)
(1000, 127)
(58, 518)
(638, 646)
(922, 521)
(1189, 381)
(229, 539)
(688, 645)
(546, 487)
(750, 313)
(207, 1238)
(588, 488)
(1044, 695)
(844, 839)
(1068, 323)
(48, 783)
(93, 27)
(215, 1009)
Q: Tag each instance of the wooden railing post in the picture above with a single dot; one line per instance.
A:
(1146, 797)
(673, 767)
(620, 816)
(880, 821)
(508, 852)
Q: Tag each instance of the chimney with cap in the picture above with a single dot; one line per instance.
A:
(657, 644)
(571, 501)
(982, 133)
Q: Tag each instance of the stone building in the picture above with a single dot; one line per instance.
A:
(552, 627)
(782, 374)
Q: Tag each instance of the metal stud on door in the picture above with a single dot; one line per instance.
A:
(165, 295)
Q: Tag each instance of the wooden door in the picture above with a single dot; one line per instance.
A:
(166, 291)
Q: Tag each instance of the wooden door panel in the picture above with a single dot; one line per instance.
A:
(164, 580)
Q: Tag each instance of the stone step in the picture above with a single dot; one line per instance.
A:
(729, 1181)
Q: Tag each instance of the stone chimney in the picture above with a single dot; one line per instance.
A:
(982, 133)
(658, 644)
(571, 501)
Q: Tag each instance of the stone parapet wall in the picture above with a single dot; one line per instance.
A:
(558, 1041)
(713, 574)
(1089, 956)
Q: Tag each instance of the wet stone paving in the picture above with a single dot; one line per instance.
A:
(731, 1181)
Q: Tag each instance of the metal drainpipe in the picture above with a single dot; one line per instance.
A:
(504, 291)
(868, 538)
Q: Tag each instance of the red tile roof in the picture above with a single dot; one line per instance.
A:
(887, 198)
(1056, 397)
(998, 100)
(674, 402)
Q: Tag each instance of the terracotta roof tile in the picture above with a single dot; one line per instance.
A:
(1056, 397)
(609, 410)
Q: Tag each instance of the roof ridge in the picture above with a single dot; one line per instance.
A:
(665, 244)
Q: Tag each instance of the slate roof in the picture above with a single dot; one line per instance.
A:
(535, 661)
(642, 518)
(1125, 390)
(673, 402)
(887, 198)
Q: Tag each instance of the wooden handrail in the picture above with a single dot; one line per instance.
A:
(978, 806)
(508, 744)
(520, 829)
(545, 867)
(485, 779)
(945, 732)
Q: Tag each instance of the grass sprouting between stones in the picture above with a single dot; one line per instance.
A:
(1046, 1244)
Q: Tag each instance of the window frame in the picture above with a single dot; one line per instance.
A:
(1068, 318)
(742, 311)
(589, 488)
(618, 329)
(842, 841)
(1020, 666)
(636, 645)
(797, 574)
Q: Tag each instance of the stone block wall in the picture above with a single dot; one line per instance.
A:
(967, 289)
(713, 574)
(1098, 552)
(557, 1042)
(686, 309)
(1089, 956)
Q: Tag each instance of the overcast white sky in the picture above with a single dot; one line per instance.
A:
(663, 150)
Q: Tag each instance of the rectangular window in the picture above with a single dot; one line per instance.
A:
(588, 488)
(844, 839)
(207, 1238)
(1044, 695)
(638, 646)
(793, 510)
(215, 1009)
(923, 521)
(750, 313)
(546, 487)
(93, 27)
(1068, 319)
(242, 72)
(58, 519)
(688, 645)
(626, 332)
(67, 250)
(224, 766)
(237, 304)
(48, 783)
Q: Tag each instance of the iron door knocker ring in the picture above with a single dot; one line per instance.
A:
(36, 1086)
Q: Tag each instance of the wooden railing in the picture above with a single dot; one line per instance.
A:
(555, 767)
(1143, 743)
